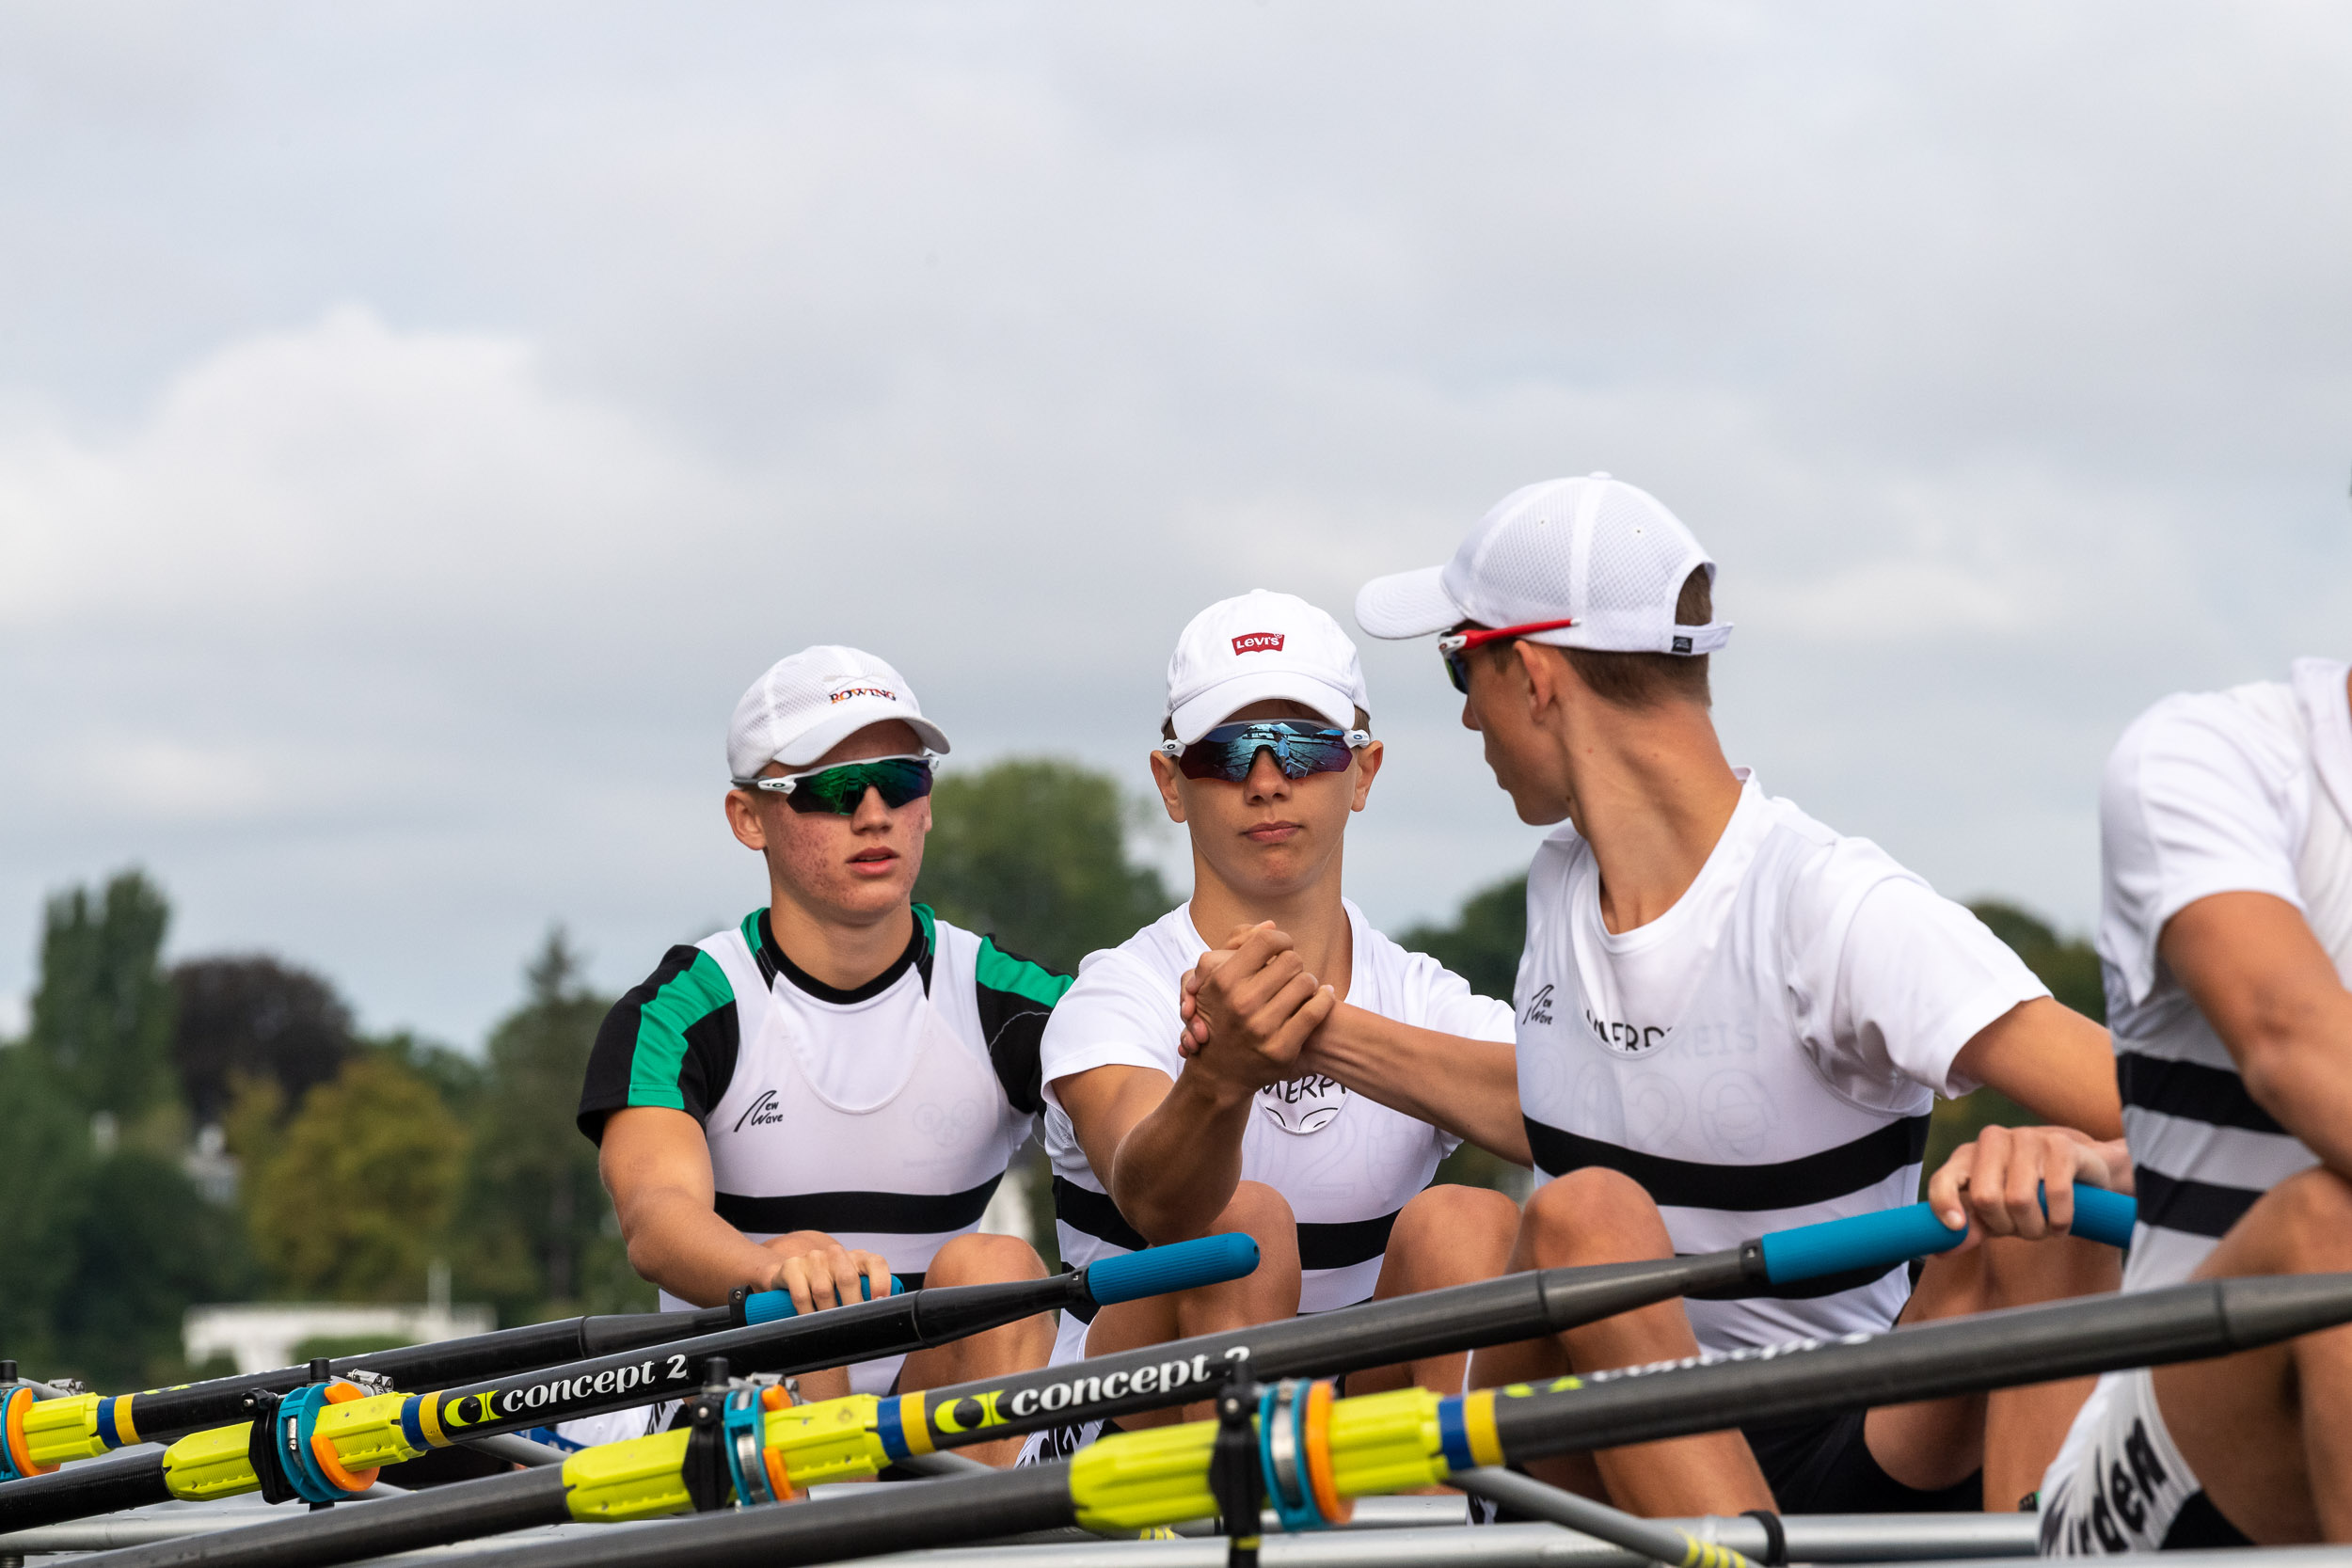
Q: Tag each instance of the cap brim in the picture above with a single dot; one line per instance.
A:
(849, 718)
(1407, 604)
(1199, 715)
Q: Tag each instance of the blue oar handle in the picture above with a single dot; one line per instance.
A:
(767, 1306)
(1180, 1266)
(1893, 1236)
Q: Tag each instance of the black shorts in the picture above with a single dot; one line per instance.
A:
(1825, 1467)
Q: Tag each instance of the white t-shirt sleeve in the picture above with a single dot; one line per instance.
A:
(1893, 979)
(2198, 797)
(1117, 1014)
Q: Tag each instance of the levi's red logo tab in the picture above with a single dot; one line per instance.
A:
(1257, 643)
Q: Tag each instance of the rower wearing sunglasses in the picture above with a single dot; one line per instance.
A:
(828, 1092)
(1265, 752)
(1733, 1018)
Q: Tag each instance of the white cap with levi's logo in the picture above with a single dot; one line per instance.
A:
(808, 704)
(1595, 551)
(1262, 648)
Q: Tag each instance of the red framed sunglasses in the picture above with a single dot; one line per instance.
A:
(1451, 646)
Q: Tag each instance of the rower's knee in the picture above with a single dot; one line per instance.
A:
(983, 1260)
(1453, 1235)
(1594, 1216)
(2304, 1224)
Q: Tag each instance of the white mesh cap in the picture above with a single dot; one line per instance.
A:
(808, 704)
(1259, 648)
(1594, 550)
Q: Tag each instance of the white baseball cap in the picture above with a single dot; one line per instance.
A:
(1596, 552)
(1258, 648)
(808, 704)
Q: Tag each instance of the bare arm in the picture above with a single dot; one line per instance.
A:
(2250, 963)
(657, 1166)
(1470, 1087)
(2059, 1065)
(1169, 1151)
(2053, 1061)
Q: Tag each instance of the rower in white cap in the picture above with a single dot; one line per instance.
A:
(1265, 751)
(1732, 1018)
(829, 1091)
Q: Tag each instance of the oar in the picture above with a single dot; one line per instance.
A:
(84, 1426)
(1376, 1334)
(781, 1453)
(323, 1443)
(1338, 1449)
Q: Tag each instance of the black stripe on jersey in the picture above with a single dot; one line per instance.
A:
(1084, 1208)
(1343, 1244)
(704, 1069)
(2190, 1090)
(2200, 1208)
(1833, 1173)
(1336, 1245)
(889, 1214)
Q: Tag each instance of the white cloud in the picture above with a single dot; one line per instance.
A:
(420, 421)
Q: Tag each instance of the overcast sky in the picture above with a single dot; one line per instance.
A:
(418, 423)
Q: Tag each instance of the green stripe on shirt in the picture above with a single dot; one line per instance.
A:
(685, 1000)
(1000, 970)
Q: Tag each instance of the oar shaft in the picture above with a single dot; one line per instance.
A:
(1994, 1350)
(354, 1531)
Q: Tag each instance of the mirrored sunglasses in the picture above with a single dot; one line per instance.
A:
(841, 790)
(1230, 751)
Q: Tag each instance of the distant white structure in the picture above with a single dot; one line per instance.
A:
(260, 1335)
(212, 1167)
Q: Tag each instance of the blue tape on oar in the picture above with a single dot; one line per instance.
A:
(1894, 1236)
(1180, 1266)
(770, 1306)
(2104, 1217)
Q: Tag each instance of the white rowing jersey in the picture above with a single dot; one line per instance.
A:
(1344, 1162)
(1762, 1054)
(2241, 791)
(884, 1116)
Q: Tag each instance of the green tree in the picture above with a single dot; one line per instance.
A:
(148, 1246)
(540, 1232)
(1483, 945)
(257, 1016)
(355, 1198)
(101, 1016)
(1035, 851)
(45, 1160)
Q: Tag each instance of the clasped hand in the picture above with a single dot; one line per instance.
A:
(1249, 1008)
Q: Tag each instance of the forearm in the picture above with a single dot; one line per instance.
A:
(1177, 1167)
(687, 1249)
(2302, 1082)
(2053, 1061)
(1469, 1087)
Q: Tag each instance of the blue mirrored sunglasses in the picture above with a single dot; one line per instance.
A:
(1230, 751)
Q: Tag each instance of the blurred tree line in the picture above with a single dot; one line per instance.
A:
(360, 1161)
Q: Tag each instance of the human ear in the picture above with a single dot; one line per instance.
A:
(743, 817)
(1163, 776)
(1367, 767)
(1538, 671)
